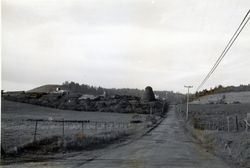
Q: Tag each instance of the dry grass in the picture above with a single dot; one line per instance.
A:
(232, 146)
(77, 142)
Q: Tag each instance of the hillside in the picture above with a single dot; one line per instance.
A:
(230, 97)
(45, 88)
(73, 87)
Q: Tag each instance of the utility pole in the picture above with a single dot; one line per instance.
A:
(188, 87)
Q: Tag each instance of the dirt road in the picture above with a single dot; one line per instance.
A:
(165, 146)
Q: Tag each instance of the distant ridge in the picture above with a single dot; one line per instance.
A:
(73, 87)
(45, 88)
(242, 97)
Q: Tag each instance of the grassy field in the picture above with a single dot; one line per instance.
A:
(16, 131)
(219, 115)
(208, 123)
(219, 109)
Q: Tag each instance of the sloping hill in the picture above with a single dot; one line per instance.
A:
(45, 88)
(230, 97)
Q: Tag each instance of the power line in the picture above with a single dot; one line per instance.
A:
(225, 50)
(230, 43)
(219, 59)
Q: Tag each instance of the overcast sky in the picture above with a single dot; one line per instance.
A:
(123, 43)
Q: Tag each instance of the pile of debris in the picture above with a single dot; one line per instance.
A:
(103, 103)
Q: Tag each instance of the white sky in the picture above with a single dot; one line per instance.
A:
(123, 43)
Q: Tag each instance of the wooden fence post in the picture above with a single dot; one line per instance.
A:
(35, 132)
(82, 134)
(96, 127)
(246, 125)
(82, 127)
(63, 132)
(236, 122)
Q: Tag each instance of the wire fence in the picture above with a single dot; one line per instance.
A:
(229, 123)
(33, 130)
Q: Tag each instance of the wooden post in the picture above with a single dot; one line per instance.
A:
(96, 127)
(63, 132)
(35, 132)
(2, 151)
(246, 125)
(236, 122)
(82, 127)
(82, 134)
(228, 129)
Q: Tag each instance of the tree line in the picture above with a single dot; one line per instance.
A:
(222, 89)
(87, 89)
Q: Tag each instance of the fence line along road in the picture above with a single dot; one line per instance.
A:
(34, 130)
(229, 123)
(92, 125)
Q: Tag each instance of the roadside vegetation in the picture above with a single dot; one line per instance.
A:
(78, 142)
(220, 129)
